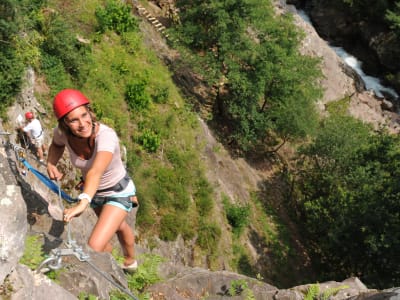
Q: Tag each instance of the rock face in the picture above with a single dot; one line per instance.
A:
(13, 215)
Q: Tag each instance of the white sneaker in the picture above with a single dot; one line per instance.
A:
(131, 268)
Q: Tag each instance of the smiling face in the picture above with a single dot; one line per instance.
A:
(79, 122)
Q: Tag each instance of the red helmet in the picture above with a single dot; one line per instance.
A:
(67, 100)
(28, 115)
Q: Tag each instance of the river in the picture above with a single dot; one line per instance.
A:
(371, 82)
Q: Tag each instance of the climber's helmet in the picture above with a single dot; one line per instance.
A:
(28, 115)
(66, 101)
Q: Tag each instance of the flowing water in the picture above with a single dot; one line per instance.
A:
(371, 82)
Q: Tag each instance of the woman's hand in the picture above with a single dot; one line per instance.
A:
(53, 172)
(75, 211)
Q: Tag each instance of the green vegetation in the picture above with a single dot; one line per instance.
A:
(348, 201)
(314, 293)
(238, 216)
(339, 107)
(11, 63)
(146, 275)
(240, 287)
(253, 57)
(33, 253)
(84, 296)
(115, 16)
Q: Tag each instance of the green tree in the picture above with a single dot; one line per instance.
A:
(252, 58)
(349, 204)
(11, 67)
(281, 95)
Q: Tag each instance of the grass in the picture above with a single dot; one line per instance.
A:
(33, 253)
(339, 107)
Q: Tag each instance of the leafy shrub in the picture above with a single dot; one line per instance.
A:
(28, 48)
(116, 16)
(149, 140)
(147, 272)
(136, 95)
(314, 292)
(120, 67)
(237, 215)
(84, 296)
(241, 287)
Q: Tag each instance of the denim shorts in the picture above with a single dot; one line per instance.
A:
(124, 203)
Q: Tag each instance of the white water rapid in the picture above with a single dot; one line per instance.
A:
(371, 83)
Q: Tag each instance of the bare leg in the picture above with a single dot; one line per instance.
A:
(127, 240)
(40, 153)
(44, 148)
(112, 220)
(108, 248)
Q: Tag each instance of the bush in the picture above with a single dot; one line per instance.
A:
(116, 16)
(136, 95)
(238, 216)
(149, 140)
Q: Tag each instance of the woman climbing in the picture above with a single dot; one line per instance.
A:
(94, 149)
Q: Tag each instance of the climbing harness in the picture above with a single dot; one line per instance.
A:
(54, 261)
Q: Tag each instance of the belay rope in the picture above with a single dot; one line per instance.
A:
(48, 182)
(54, 261)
